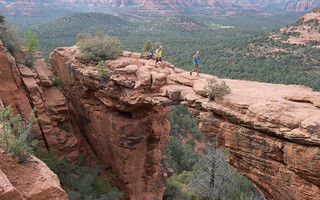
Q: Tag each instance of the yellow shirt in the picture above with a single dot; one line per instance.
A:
(158, 53)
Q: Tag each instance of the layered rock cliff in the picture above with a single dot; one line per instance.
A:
(126, 132)
(271, 131)
(24, 88)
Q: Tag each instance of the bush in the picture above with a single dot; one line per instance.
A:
(10, 37)
(15, 134)
(99, 47)
(216, 90)
(64, 127)
(32, 41)
(174, 188)
(102, 73)
(29, 60)
(82, 181)
(57, 81)
(147, 46)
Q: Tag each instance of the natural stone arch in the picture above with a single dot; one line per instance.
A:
(271, 131)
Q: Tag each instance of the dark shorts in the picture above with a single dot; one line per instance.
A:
(196, 65)
(158, 59)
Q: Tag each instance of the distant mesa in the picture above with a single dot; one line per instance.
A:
(36, 7)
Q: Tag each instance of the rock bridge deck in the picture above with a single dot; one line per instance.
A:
(271, 130)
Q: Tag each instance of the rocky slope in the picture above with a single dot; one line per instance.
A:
(305, 31)
(271, 131)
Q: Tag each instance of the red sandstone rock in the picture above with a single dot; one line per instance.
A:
(7, 191)
(30, 181)
(11, 90)
(126, 54)
(131, 133)
(40, 67)
(136, 55)
(158, 80)
(33, 88)
(270, 130)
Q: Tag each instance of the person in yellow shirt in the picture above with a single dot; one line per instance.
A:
(158, 56)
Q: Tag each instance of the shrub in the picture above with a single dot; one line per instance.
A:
(10, 38)
(99, 47)
(57, 81)
(216, 90)
(15, 134)
(102, 73)
(64, 127)
(29, 60)
(32, 41)
(174, 189)
(147, 46)
(82, 181)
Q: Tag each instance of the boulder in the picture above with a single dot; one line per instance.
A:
(126, 54)
(136, 55)
(33, 181)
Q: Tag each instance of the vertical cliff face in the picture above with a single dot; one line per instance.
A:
(127, 136)
(271, 131)
(24, 89)
(27, 88)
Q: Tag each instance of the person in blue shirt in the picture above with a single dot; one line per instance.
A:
(196, 61)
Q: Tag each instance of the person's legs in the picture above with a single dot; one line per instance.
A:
(198, 69)
(160, 60)
(156, 62)
(194, 69)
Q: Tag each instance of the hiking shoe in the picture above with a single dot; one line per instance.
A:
(190, 73)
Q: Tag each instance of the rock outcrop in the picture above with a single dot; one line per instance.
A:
(27, 88)
(272, 131)
(34, 180)
(24, 89)
(126, 133)
(301, 6)
(303, 32)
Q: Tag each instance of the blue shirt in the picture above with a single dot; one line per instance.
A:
(197, 61)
